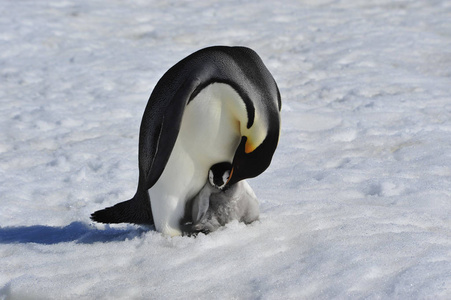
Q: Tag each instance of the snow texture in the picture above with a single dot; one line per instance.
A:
(356, 203)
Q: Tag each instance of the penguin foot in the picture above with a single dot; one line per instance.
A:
(190, 229)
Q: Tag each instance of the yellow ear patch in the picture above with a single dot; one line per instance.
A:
(249, 147)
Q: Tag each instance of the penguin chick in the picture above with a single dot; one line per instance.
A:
(217, 204)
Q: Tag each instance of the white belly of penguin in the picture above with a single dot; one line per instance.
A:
(209, 134)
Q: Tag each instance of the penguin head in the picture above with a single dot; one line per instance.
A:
(219, 174)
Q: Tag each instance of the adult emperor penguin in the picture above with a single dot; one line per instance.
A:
(219, 104)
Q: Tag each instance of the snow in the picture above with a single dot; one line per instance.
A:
(356, 203)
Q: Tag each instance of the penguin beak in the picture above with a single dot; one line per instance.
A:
(230, 177)
(238, 160)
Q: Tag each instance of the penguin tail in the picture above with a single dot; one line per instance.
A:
(136, 210)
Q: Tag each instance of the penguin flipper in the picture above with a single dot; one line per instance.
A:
(136, 210)
(201, 203)
(159, 130)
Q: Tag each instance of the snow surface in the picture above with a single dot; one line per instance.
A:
(357, 201)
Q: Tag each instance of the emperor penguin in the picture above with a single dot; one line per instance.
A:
(217, 204)
(219, 104)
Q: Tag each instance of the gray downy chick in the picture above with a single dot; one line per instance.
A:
(217, 204)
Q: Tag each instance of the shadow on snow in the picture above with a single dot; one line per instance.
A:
(75, 232)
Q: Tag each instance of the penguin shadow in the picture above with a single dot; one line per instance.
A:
(78, 232)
